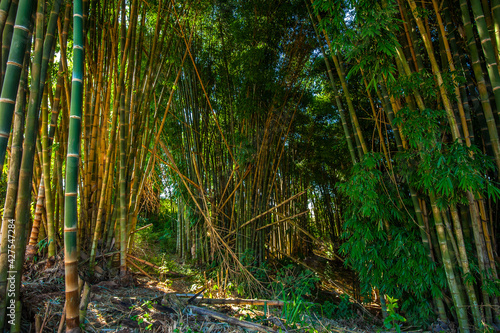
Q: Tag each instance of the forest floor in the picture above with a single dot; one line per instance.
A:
(142, 304)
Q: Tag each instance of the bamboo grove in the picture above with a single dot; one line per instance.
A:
(256, 130)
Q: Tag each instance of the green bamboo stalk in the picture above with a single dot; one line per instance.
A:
(27, 162)
(481, 82)
(7, 35)
(42, 191)
(482, 256)
(464, 263)
(450, 27)
(47, 157)
(13, 73)
(108, 165)
(495, 13)
(453, 282)
(72, 163)
(123, 187)
(358, 134)
(11, 195)
(451, 64)
(488, 50)
(4, 12)
(345, 126)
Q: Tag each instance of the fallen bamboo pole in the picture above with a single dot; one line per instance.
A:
(142, 261)
(241, 301)
(229, 320)
(238, 301)
(140, 269)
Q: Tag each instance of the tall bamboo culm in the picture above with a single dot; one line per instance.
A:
(72, 164)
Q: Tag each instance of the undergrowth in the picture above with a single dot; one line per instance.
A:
(284, 280)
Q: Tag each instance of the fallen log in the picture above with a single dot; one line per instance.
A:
(229, 320)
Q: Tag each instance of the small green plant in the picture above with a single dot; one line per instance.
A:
(148, 304)
(393, 319)
(42, 244)
(294, 310)
(292, 281)
(138, 319)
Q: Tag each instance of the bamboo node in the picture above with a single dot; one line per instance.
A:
(13, 63)
(23, 28)
(7, 100)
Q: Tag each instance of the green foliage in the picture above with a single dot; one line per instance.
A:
(343, 310)
(294, 282)
(446, 169)
(163, 232)
(294, 310)
(366, 32)
(382, 242)
(393, 318)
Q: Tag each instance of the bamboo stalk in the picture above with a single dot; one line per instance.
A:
(13, 71)
(72, 162)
